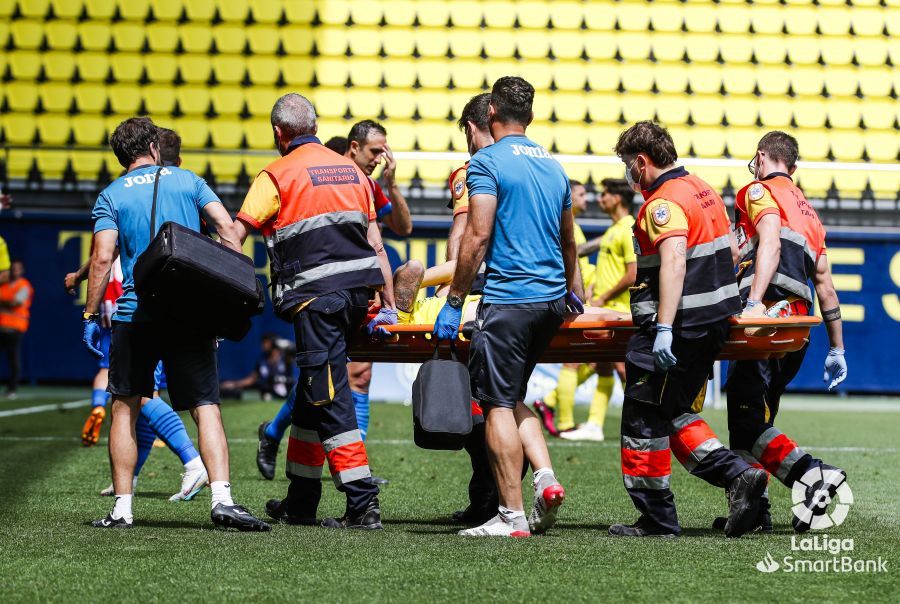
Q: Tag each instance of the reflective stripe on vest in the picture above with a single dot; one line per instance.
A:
(703, 249)
(16, 318)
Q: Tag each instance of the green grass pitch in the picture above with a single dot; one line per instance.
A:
(49, 485)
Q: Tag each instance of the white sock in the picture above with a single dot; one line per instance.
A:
(513, 517)
(194, 464)
(543, 472)
(221, 493)
(122, 508)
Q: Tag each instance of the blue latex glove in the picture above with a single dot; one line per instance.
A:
(662, 347)
(91, 338)
(835, 368)
(447, 325)
(385, 316)
(574, 304)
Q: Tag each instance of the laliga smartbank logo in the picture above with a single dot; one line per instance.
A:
(837, 559)
(815, 492)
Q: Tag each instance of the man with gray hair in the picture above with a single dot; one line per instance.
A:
(314, 208)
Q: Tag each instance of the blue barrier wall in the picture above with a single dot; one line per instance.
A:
(866, 268)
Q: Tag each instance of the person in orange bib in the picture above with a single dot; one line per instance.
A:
(684, 294)
(15, 312)
(782, 247)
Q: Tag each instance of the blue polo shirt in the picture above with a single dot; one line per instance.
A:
(125, 205)
(524, 261)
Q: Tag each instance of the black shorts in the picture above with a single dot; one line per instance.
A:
(506, 344)
(190, 360)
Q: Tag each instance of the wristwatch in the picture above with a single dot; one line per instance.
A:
(455, 302)
(90, 316)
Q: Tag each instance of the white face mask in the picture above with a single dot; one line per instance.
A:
(635, 185)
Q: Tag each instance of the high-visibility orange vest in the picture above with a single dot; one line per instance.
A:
(710, 291)
(15, 317)
(802, 239)
(318, 242)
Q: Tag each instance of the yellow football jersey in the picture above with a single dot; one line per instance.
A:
(616, 251)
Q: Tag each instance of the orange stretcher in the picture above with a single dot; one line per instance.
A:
(580, 341)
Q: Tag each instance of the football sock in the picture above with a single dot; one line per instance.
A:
(361, 402)
(543, 473)
(600, 402)
(194, 464)
(169, 428)
(282, 419)
(585, 371)
(99, 397)
(122, 508)
(221, 493)
(565, 398)
(514, 517)
(145, 437)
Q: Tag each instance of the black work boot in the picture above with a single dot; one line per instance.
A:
(641, 528)
(744, 495)
(266, 453)
(763, 520)
(368, 520)
(277, 509)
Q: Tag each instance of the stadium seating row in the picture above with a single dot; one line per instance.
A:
(26, 164)
(837, 17)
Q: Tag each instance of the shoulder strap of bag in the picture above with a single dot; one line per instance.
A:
(153, 207)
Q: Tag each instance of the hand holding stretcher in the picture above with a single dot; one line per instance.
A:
(588, 338)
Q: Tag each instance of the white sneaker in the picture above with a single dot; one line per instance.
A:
(192, 482)
(548, 496)
(586, 431)
(110, 491)
(496, 527)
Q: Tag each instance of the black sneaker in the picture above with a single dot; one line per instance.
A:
(475, 515)
(744, 495)
(818, 496)
(236, 517)
(368, 520)
(266, 453)
(277, 510)
(641, 528)
(112, 523)
(763, 520)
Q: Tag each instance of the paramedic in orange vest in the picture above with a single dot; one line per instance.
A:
(15, 310)
(684, 294)
(782, 249)
(315, 209)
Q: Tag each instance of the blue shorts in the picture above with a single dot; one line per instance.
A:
(159, 378)
(105, 337)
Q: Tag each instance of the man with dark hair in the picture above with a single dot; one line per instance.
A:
(338, 144)
(139, 341)
(15, 314)
(520, 222)
(684, 294)
(169, 147)
(272, 375)
(782, 247)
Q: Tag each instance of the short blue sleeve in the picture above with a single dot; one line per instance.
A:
(567, 198)
(204, 194)
(104, 215)
(481, 177)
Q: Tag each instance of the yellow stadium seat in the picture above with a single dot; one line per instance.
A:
(126, 67)
(433, 136)
(849, 183)
(436, 173)
(27, 35)
(542, 134)
(702, 48)
(838, 51)
(802, 50)
(58, 66)
(773, 81)
(52, 164)
(329, 41)
(100, 10)
(54, 129)
(501, 45)
(465, 14)
(769, 50)
(742, 143)
(807, 81)
(161, 102)
(363, 13)
(4, 35)
(633, 46)
(767, 20)
(800, 21)
(229, 69)
(162, 69)
(706, 110)
(466, 74)
(668, 47)
(233, 11)
(599, 46)
(195, 37)
(255, 163)
(432, 73)
(699, 19)
(94, 35)
(873, 83)
(167, 10)
(534, 15)
(195, 69)
(834, 21)
(89, 130)
(598, 17)
(226, 167)
(67, 9)
(880, 114)
(194, 132)
(22, 96)
(598, 172)
(566, 44)
(433, 104)
(432, 13)
(847, 145)
(734, 19)
(137, 10)
(533, 44)
(637, 77)
(840, 81)
(61, 35)
(363, 104)
(567, 14)
(330, 102)
(739, 80)
(603, 140)
(882, 146)
(458, 100)
(741, 111)
(632, 16)
(666, 18)
(672, 110)
(162, 37)
(809, 113)
(331, 72)
(88, 164)
(570, 139)
(814, 183)
(542, 109)
(19, 128)
(464, 43)
(813, 143)
(125, 99)
(229, 39)
(775, 112)
(715, 176)
(570, 107)
(365, 42)
(570, 75)
(258, 133)
(399, 13)
(499, 15)
(603, 76)
(538, 73)
(199, 11)
(736, 49)
(844, 113)
(399, 43)
(266, 11)
(892, 23)
(297, 71)
(705, 79)
(260, 100)
(193, 100)
(128, 36)
(708, 142)
(264, 39)
(638, 107)
(24, 65)
(34, 9)
(431, 42)
(886, 185)
(227, 100)
(90, 97)
(867, 21)
(870, 51)
(226, 133)
(56, 97)
(401, 137)
(367, 72)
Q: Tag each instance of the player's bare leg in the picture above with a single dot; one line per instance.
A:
(122, 459)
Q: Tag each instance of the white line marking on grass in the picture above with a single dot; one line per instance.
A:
(42, 408)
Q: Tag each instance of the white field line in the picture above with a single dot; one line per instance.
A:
(409, 442)
(43, 408)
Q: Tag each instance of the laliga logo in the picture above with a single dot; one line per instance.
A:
(823, 484)
(767, 564)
